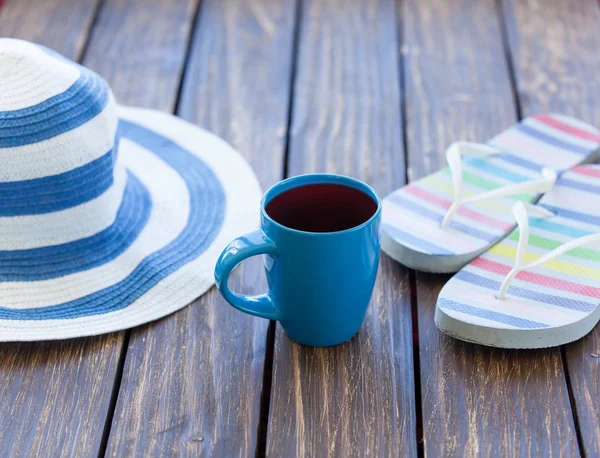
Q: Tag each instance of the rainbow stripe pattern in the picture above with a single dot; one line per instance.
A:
(559, 293)
(412, 214)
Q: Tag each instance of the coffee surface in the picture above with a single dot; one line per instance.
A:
(321, 208)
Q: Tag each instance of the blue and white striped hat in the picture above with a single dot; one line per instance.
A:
(110, 217)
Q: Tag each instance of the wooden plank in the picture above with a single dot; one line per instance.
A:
(192, 382)
(56, 395)
(355, 399)
(477, 401)
(62, 25)
(554, 46)
(140, 48)
(583, 361)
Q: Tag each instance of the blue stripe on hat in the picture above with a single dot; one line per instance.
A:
(58, 192)
(59, 260)
(85, 99)
(490, 315)
(528, 130)
(207, 212)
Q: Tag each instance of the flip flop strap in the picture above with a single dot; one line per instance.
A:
(454, 155)
(522, 212)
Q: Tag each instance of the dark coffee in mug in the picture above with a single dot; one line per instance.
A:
(321, 208)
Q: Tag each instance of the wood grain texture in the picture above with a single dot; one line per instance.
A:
(554, 46)
(192, 382)
(583, 366)
(456, 77)
(480, 401)
(62, 25)
(355, 399)
(140, 46)
(477, 401)
(55, 396)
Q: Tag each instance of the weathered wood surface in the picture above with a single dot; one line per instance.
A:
(55, 396)
(476, 401)
(140, 47)
(554, 46)
(192, 382)
(62, 25)
(356, 399)
(479, 401)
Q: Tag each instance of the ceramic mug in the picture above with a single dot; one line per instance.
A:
(320, 254)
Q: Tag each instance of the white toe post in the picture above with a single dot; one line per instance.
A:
(454, 155)
(522, 212)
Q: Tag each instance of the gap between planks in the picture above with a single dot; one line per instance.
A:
(265, 399)
(127, 333)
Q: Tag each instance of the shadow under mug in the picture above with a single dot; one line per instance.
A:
(320, 283)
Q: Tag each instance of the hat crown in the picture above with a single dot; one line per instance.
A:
(29, 75)
(58, 124)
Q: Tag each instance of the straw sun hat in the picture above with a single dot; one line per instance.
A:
(110, 216)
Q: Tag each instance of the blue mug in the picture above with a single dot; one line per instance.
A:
(320, 283)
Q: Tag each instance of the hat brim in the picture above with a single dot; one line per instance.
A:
(193, 194)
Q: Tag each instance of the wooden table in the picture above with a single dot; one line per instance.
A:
(368, 88)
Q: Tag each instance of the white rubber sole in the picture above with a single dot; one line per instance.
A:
(516, 338)
(426, 262)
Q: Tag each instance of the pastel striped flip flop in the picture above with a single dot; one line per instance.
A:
(443, 221)
(539, 287)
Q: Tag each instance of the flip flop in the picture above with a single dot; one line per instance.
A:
(443, 221)
(539, 287)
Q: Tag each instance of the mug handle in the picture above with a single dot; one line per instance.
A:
(252, 244)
